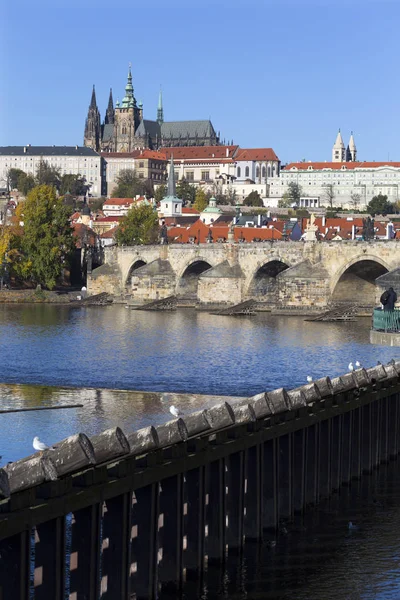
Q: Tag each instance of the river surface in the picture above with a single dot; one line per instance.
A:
(127, 367)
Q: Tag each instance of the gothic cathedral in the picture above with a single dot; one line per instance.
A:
(124, 128)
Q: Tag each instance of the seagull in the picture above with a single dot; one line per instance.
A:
(309, 378)
(351, 368)
(174, 411)
(378, 363)
(358, 364)
(40, 446)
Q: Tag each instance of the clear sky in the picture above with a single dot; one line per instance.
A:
(282, 73)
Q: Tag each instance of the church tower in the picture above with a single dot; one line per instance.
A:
(91, 137)
(160, 110)
(127, 117)
(110, 115)
(339, 150)
(351, 152)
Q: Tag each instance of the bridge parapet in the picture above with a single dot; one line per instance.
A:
(143, 507)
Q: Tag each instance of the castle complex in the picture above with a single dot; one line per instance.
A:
(124, 128)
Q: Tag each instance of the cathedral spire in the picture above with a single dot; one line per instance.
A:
(129, 99)
(171, 191)
(93, 103)
(110, 115)
(351, 152)
(339, 149)
(91, 136)
(160, 110)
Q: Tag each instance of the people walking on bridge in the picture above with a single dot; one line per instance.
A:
(388, 299)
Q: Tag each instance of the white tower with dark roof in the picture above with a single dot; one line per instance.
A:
(351, 152)
(339, 149)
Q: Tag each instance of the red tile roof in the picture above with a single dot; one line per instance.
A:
(256, 154)
(83, 232)
(199, 231)
(336, 166)
(200, 152)
(109, 234)
(190, 211)
(109, 219)
(135, 154)
(118, 201)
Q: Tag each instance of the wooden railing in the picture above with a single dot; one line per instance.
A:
(129, 514)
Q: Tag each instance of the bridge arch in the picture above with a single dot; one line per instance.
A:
(138, 262)
(188, 280)
(263, 284)
(354, 282)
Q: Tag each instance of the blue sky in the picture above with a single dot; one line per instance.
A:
(285, 74)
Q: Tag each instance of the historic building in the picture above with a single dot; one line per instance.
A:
(125, 129)
(72, 160)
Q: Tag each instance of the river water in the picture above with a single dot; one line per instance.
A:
(127, 367)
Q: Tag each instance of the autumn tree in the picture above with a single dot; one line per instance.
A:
(47, 242)
(139, 226)
(200, 202)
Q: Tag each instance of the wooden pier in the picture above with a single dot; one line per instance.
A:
(246, 308)
(168, 303)
(133, 514)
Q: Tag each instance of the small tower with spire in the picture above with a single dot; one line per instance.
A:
(160, 110)
(171, 206)
(91, 137)
(351, 152)
(339, 149)
(110, 115)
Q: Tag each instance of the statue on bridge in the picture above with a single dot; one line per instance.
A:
(163, 234)
(368, 230)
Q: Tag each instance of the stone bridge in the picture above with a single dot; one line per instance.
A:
(276, 274)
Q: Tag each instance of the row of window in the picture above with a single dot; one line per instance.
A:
(263, 172)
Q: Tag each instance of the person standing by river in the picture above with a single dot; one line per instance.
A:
(388, 299)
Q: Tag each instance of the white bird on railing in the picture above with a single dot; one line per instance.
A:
(309, 378)
(358, 364)
(174, 411)
(40, 446)
(351, 367)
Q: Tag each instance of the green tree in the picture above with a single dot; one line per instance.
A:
(47, 242)
(128, 185)
(160, 192)
(73, 184)
(253, 199)
(186, 191)
(25, 183)
(295, 191)
(47, 175)
(379, 205)
(200, 202)
(139, 226)
(285, 201)
(12, 178)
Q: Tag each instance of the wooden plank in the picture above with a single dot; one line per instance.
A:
(253, 494)
(116, 547)
(270, 488)
(49, 574)
(215, 510)
(298, 451)
(15, 567)
(85, 554)
(170, 534)
(284, 450)
(144, 550)
(234, 498)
